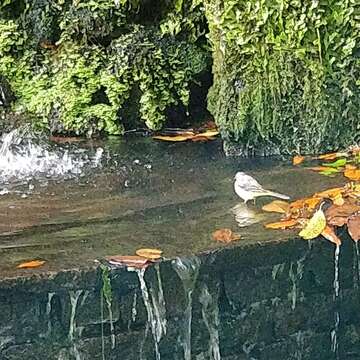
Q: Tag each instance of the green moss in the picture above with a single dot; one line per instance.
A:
(286, 73)
(79, 71)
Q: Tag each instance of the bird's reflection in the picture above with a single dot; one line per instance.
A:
(245, 216)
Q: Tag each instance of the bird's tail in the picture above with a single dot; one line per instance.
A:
(278, 195)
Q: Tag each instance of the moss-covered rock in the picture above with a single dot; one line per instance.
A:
(286, 73)
(75, 66)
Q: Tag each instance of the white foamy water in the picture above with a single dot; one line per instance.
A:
(22, 157)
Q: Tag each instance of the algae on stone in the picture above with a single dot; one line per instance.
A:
(286, 73)
(73, 66)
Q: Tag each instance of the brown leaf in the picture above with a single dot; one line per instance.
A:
(135, 261)
(285, 224)
(151, 254)
(353, 225)
(338, 215)
(225, 235)
(277, 206)
(298, 159)
(31, 264)
(329, 234)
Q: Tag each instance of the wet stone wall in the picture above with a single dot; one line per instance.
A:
(282, 300)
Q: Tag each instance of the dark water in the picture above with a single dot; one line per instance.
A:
(264, 297)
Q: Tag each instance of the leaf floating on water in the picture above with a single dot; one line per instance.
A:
(315, 226)
(330, 193)
(151, 254)
(285, 224)
(298, 159)
(277, 206)
(353, 225)
(323, 169)
(331, 156)
(135, 261)
(31, 264)
(173, 138)
(336, 164)
(225, 236)
(329, 234)
(352, 174)
(338, 215)
(189, 135)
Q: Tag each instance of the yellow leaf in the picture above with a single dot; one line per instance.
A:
(277, 206)
(315, 226)
(151, 254)
(31, 264)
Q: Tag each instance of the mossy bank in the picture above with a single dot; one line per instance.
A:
(285, 72)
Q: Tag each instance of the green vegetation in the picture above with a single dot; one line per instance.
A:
(76, 65)
(286, 73)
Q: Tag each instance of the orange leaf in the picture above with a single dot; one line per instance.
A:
(130, 260)
(353, 225)
(352, 174)
(173, 138)
(331, 156)
(151, 254)
(329, 234)
(225, 236)
(277, 206)
(330, 193)
(282, 224)
(298, 159)
(31, 264)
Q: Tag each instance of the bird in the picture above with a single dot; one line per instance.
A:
(247, 188)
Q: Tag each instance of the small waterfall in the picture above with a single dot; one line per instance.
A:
(155, 307)
(294, 276)
(336, 284)
(74, 300)
(210, 315)
(188, 271)
(357, 265)
(23, 157)
(48, 311)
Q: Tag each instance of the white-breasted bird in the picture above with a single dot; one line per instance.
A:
(248, 188)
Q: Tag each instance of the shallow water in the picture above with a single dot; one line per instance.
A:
(143, 193)
(267, 296)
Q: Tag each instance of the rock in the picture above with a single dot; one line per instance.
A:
(6, 94)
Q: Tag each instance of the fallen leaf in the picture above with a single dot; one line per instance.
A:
(331, 156)
(277, 206)
(151, 254)
(285, 224)
(353, 225)
(189, 135)
(323, 168)
(309, 203)
(329, 234)
(298, 159)
(330, 193)
(31, 264)
(338, 200)
(338, 215)
(135, 261)
(336, 164)
(173, 138)
(315, 226)
(352, 174)
(225, 235)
